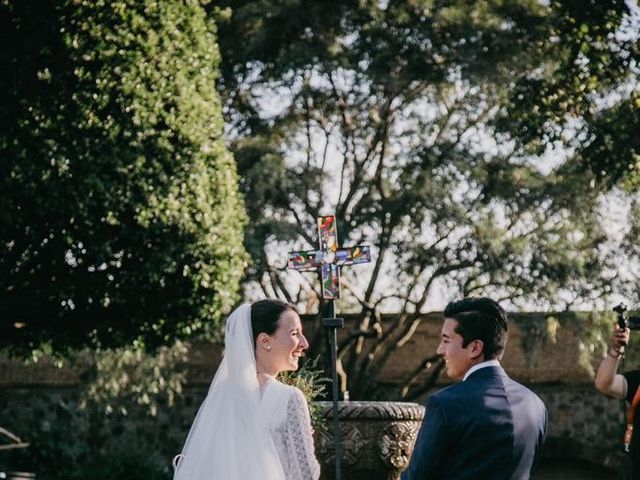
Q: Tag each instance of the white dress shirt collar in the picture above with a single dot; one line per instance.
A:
(478, 366)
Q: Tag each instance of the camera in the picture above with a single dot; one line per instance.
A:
(624, 320)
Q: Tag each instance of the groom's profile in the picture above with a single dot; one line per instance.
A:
(487, 426)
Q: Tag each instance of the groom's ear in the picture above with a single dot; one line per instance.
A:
(476, 348)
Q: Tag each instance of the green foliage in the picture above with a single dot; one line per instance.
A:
(121, 218)
(584, 92)
(311, 380)
(126, 376)
(592, 329)
(584, 97)
(391, 115)
(78, 444)
(596, 328)
(123, 423)
(115, 426)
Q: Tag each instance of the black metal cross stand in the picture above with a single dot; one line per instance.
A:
(328, 259)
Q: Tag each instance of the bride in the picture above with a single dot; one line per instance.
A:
(250, 426)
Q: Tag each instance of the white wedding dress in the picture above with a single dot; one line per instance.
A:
(287, 414)
(242, 433)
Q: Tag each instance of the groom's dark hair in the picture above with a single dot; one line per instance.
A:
(480, 318)
(265, 315)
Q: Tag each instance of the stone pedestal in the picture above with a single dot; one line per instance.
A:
(377, 439)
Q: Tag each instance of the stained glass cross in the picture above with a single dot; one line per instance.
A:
(329, 258)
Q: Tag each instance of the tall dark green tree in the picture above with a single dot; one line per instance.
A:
(385, 112)
(121, 218)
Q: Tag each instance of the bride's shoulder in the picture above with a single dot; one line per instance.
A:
(292, 392)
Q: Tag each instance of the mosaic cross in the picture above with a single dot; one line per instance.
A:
(329, 259)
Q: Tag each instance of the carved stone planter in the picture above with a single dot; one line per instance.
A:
(377, 439)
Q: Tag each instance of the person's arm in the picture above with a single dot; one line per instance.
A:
(431, 446)
(299, 440)
(608, 381)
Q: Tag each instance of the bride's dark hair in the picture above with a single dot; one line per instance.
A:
(265, 315)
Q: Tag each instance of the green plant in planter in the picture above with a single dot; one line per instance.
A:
(311, 380)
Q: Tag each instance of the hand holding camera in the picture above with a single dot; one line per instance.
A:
(620, 338)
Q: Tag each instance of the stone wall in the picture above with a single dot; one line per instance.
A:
(50, 418)
(554, 355)
(583, 424)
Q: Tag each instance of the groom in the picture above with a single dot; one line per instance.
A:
(487, 426)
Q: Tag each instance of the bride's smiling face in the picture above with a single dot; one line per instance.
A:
(287, 343)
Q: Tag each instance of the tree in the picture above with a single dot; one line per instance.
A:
(584, 93)
(584, 97)
(121, 218)
(385, 112)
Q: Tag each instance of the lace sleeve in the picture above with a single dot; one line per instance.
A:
(299, 440)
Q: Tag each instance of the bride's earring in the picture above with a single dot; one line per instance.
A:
(267, 348)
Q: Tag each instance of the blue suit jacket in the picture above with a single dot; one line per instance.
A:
(485, 428)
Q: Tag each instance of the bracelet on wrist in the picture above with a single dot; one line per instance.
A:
(617, 354)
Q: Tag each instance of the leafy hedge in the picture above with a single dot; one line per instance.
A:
(121, 219)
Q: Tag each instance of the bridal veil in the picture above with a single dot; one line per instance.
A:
(228, 439)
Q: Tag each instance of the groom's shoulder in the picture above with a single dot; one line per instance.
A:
(448, 401)
(528, 394)
(450, 393)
